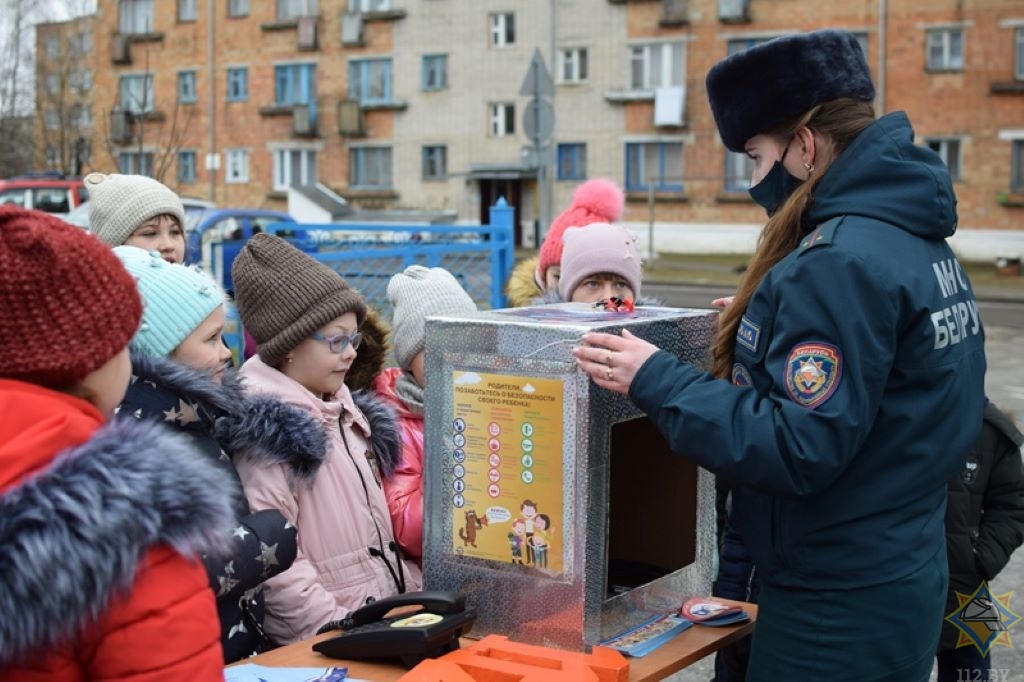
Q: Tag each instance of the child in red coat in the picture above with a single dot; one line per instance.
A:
(100, 522)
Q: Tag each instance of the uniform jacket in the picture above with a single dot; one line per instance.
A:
(522, 288)
(223, 424)
(404, 488)
(985, 517)
(100, 527)
(347, 552)
(858, 382)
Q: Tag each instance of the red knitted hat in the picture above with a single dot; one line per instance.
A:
(595, 201)
(68, 304)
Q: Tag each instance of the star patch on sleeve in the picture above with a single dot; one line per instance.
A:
(813, 371)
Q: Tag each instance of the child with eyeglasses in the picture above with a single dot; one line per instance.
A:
(415, 294)
(305, 320)
(183, 379)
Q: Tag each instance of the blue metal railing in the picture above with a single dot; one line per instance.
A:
(481, 257)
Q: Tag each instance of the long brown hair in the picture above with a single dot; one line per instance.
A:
(835, 123)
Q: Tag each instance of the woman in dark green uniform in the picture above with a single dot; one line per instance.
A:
(853, 365)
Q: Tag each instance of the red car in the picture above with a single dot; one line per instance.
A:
(44, 192)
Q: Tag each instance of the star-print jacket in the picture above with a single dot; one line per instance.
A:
(858, 384)
(226, 425)
(100, 525)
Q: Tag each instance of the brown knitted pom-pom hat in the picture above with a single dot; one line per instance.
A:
(284, 295)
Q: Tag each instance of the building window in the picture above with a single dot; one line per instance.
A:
(293, 9)
(572, 161)
(238, 8)
(738, 169)
(81, 116)
(435, 162)
(52, 156)
(136, 93)
(186, 10)
(186, 167)
(370, 167)
(1018, 54)
(136, 16)
(1017, 167)
(237, 162)
(238, 84)
(656, 65)
(573, 65)
(740, 44)
(654, 163)
(369, 80)
(294, 167)
(435, 72)
(135, 163)
(187, 87)
(294, 84)
(83, 42)
(52, 48)
(365, 6)
(52, 84)
(503, 29)
(949, 149)
(503, 119)
(945, 49)
(51, 119)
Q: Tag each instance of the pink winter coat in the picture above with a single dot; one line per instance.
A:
(404, 489)
(346, 544)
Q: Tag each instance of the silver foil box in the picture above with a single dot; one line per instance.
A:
(516, 432)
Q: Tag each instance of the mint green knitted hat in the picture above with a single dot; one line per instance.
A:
(175, 300)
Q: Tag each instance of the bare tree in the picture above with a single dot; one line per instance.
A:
(151, 130)
(64, 96)
(16, 87)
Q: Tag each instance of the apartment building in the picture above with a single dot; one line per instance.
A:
(64, 121)
(419, 103)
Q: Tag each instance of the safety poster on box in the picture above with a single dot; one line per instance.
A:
(506, 459)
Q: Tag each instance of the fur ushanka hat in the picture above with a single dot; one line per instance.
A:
(752, 91)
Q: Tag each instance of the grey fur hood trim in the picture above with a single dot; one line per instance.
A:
(385, 433)
(73, 535)
(262, 428)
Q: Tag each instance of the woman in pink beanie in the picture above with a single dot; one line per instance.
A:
(595, 201)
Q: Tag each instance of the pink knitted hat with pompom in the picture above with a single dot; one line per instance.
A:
(595, 201)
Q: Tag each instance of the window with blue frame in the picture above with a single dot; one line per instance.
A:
(658, 164)
(135, 163)
(238, 84)
(435, 72)
(738, 169)
(370, 168)
(369, 80)
(187, 87)
(294, 84)
(572, 161)
(186, 167)
(135, 93)
(435, 162)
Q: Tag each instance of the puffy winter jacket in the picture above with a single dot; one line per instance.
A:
(100, 527)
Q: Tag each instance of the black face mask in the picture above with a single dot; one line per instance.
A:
(774, 188)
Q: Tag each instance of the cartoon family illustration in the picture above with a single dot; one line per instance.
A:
(531, 531)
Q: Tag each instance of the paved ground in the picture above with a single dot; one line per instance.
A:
(1003, 315)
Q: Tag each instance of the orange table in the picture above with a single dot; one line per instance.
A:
(684, 649)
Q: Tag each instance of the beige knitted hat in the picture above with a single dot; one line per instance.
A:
(284, 295)
(416, 293)
(118, 204)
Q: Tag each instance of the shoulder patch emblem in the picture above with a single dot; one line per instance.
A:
(813, 371)
(748, 334)
(741, 375)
